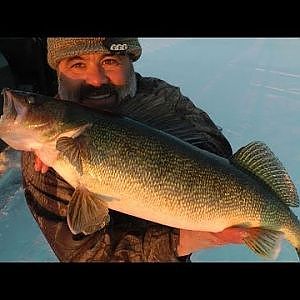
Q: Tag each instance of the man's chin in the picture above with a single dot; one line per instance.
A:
(108, 103)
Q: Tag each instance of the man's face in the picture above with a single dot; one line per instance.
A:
(96, 80)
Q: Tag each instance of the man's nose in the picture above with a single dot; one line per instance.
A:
(96, 76)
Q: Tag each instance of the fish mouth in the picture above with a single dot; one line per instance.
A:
(13, 104)
(9, 111)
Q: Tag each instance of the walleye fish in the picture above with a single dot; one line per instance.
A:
(115, 162)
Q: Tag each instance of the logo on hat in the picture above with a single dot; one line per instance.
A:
(118, 47)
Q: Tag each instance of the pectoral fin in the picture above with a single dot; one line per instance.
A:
(74, 149)
(87, 213)
(264, 242)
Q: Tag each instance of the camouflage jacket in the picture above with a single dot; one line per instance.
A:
(126, 238)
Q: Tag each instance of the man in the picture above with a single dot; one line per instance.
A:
(98, 73)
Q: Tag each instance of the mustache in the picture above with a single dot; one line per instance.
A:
(96, 93)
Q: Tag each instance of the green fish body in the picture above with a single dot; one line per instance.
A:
(117, 163)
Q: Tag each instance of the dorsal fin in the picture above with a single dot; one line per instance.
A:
(157, 112)
(258, 159)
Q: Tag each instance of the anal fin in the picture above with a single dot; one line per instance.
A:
(87, 213)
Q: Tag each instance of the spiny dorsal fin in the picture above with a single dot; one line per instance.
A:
(258, 159)
(265, 242)
(87, 213)
(155, 112)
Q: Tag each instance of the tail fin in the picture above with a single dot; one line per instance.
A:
(264, 242)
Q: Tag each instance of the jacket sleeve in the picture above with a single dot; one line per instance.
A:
(214, 140)
(211, 136)
(164, 107)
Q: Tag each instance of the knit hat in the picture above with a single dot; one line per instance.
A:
(60, 48)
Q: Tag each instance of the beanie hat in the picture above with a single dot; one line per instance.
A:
(60, 48)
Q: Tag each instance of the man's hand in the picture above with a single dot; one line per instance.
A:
(39, 166)
(192, 241)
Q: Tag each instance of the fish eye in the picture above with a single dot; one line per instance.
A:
(30, 100)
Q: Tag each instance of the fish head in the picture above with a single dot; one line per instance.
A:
(29, 120)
